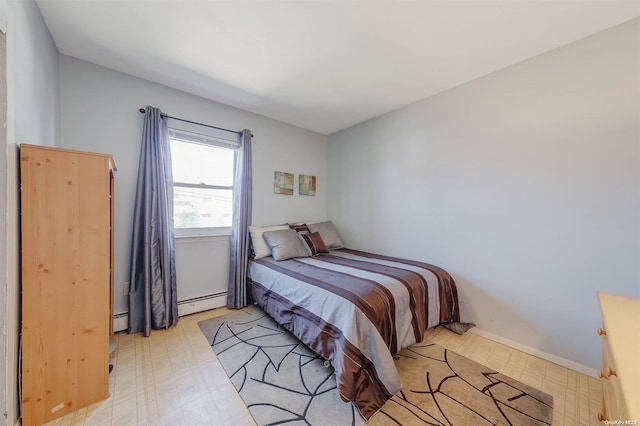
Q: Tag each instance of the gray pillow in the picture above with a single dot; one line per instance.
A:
(328, 234)
(284, 244)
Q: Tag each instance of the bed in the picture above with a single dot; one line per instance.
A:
(357, 310)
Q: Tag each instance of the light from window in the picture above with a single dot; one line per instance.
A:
(202, 184)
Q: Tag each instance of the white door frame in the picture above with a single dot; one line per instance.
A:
(9, 231)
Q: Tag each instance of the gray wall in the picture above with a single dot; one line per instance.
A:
(33, 117)
(524, 184)
(100, 113)
(36, 78)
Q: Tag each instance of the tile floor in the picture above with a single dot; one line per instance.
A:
(577, 398)
(174, 378)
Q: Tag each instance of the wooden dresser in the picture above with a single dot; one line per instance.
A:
(67, 282)
(620, 372)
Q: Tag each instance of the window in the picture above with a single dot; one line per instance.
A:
(203, 169)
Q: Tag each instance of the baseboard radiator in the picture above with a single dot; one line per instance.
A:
(185, 307)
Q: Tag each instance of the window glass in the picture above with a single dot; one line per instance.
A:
(201, 164)
(201, 208)
(202, 186)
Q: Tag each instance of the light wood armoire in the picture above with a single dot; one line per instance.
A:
(67, 280)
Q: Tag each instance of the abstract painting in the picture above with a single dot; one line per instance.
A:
(283, 183)
(306, 185)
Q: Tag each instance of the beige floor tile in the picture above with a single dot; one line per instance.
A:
(174, 378)
(502, 352)
(518, 359)
(557, 374)
(536, 366)
(531, 379)
(495, 363)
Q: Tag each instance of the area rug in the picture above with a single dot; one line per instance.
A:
(284, 382)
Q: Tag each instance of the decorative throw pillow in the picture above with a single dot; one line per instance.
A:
(299, 227)
(313, 243)
(284, 244)
(328, 234)
(260, 247)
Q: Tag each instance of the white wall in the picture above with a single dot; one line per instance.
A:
(32, 117)
(3, 212)
(37, 94)
(99, 110)
(524, 184)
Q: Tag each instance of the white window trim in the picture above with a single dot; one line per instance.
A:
(220, 231)
(185, 136)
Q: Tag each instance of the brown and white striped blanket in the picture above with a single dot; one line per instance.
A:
(357, 309)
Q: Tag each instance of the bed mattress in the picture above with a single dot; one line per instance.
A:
(357, 309)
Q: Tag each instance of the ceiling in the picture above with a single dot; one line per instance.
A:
(320, 65)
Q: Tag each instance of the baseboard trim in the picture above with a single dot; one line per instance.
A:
(185, 307)
(572, 365)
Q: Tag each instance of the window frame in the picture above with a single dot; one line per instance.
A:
(215, 142)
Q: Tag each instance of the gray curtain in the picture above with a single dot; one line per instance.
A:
(153, 299)
(237, 292)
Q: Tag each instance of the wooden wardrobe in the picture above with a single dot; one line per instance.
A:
(67, 280)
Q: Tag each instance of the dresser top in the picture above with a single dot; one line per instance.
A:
(109, 157)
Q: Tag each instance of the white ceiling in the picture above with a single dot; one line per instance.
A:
(321, 65)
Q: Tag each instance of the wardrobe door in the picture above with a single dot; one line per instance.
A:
(66, 280)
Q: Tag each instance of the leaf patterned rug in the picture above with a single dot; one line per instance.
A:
(284, 382)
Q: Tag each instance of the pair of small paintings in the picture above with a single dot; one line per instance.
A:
(283, 183)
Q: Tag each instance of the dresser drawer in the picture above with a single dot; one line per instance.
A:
(613, 405)
(620, 371)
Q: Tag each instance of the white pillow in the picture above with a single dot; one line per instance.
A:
(260, 247)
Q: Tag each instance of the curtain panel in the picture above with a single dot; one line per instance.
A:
(153, 298)
(237, 291)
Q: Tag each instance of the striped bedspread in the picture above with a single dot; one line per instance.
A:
(357, 309)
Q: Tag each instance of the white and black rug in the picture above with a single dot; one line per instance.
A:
(284, 382)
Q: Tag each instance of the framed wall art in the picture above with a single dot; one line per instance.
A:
(306, 185)
(283, 183)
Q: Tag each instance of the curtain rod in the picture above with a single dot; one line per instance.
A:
(142, 110)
